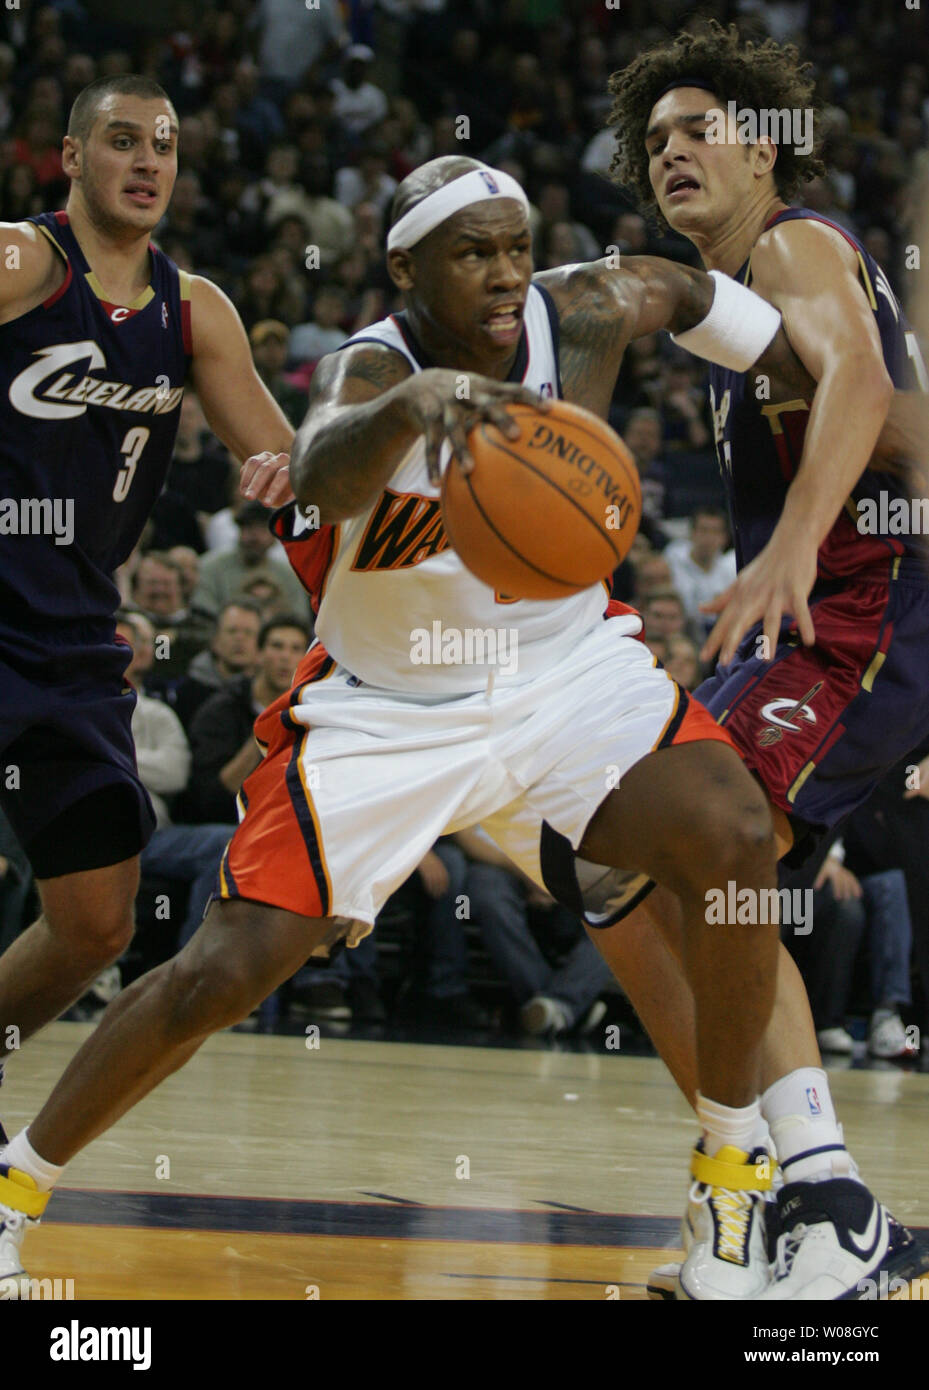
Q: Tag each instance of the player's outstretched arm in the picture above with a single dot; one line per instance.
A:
(602, 306)
(238, 406)
(368, 408)
(810, 274)
(30, 268)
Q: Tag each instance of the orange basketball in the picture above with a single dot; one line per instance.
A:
(548, 514)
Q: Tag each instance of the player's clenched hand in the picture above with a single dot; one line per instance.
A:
(443, 404)
(777, 582)
(266, 478)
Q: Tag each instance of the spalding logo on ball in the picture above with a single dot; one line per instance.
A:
(548, 514)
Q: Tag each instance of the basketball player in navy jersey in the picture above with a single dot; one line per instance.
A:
(99, 332)
(823, 639)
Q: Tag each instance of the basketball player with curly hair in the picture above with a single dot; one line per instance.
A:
(823, 639)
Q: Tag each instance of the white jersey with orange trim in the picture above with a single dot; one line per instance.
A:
(399, 609)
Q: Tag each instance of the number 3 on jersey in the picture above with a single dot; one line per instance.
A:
(131, 448)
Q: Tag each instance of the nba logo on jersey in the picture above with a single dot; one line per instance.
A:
(164, 314)
(490, 181)
(812, 1100)
(546, 390)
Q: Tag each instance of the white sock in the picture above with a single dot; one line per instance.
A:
(722, 1125)
(808, 1137)
(20, 1154)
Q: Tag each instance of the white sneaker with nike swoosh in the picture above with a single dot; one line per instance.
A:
(834, 1235)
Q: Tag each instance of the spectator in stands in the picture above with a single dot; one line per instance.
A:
(652, 576)
(890, 831)
(436, 991)
(682, 661)
(344, 990)
(269, 340)
(683, 408)
(358, 104)
(192, 219)
(643, 438)
(329, 223)
(188, 563)
(188, 853)
(559, 245)
(292, 42)
(554, 203)
(702, 566)
(19, 193)
(845, 911)
(266, 594)
(311, 341)
(200, 466)
(158, 591)
(265, 293)
(224, 572)
(630, 234)
(366, 182)
(665, 615)
(511, 911)
(232, 653)
(221, 733)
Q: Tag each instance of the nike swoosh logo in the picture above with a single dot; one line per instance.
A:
(866, 1243)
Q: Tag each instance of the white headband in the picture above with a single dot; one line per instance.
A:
(436, 207)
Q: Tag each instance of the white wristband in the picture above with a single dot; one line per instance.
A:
(736, 331)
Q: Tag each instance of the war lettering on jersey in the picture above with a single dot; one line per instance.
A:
(404, 530)
(759, 444)
(88, 417)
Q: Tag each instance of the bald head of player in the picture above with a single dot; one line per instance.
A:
(120, 154)
(465, 276)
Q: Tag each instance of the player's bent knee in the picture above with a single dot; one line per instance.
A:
(204, 1001)
(734, 843)
(97, 939)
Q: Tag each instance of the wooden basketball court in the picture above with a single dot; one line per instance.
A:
(372, 1170)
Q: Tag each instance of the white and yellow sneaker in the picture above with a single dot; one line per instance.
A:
(723, 1230)
(21, 1205)
(661, 1284)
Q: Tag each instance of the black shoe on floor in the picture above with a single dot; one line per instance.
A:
(367, 1005)
(324, 1001)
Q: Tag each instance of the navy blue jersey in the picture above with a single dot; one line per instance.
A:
(759, 444)
(90, 399)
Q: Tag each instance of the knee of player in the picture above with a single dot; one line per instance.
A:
(742, 842)
(102, 935)
(205, 996)
(732, 842)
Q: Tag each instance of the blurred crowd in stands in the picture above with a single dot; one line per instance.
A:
(297, 122)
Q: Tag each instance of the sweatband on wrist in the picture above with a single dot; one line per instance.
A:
(473, 187)
(736, 331)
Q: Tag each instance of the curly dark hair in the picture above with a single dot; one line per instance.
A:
(754, 75)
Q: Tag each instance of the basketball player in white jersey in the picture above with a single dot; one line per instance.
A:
(374, 754)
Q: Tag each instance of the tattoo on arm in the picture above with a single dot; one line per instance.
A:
(593, 331)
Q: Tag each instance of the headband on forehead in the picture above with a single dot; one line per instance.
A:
(473, 187)
(687, 82)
